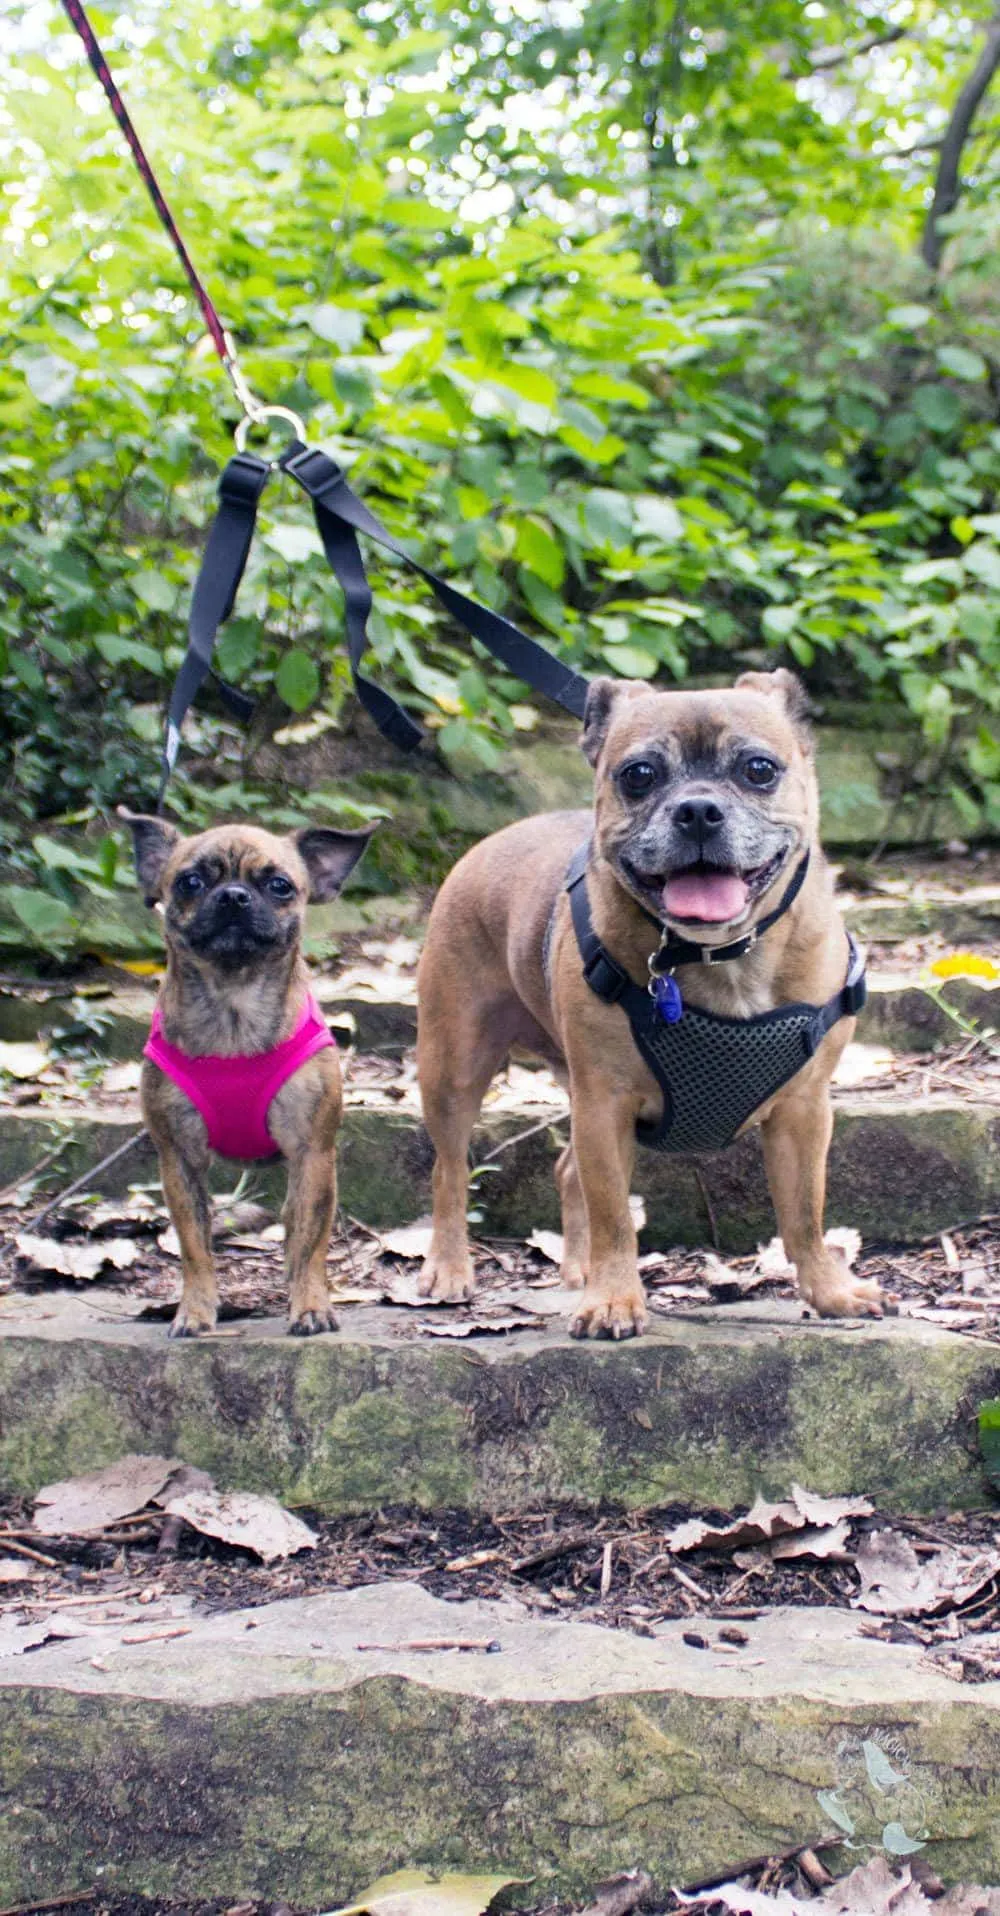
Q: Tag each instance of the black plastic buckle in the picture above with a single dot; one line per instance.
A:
(855, 996)
(606, 979)
(244, 479)
(313, 470)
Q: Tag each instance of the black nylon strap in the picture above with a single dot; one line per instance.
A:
(340, 515)
(214, 596)
(333, 499)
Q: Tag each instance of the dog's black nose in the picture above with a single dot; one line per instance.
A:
(699, 818)
(237, 897)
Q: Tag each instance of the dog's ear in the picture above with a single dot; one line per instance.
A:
(602, 696)
(783, 685)
(329, 857)
(153, 841)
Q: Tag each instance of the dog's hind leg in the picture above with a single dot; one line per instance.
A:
(457, 1055)
(575, 1229)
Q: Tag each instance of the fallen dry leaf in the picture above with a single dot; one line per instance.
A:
(101, 1497)
(410, 1241)
(19, 1570)
(830, 1542)
(549, 1243)
(256, 1523)
(766, 1522)
(412, 1893)
(480, 1326)
(895, 1582)
(23, 1061)
(80, 1261)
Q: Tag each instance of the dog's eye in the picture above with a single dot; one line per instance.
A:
(280, 887)
(188, 884)
(638, 778)
(761, 772)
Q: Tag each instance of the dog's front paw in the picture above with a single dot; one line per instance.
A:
(191, 1320)
(312, 1323)
(447, 1280)
(832, 1290)
(620, 1313)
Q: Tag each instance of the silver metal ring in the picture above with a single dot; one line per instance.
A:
(260, 417)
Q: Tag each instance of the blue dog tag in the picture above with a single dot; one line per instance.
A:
(667, 999)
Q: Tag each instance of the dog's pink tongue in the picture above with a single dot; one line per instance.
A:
(711, 897)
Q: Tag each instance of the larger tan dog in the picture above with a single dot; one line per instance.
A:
(706, 816)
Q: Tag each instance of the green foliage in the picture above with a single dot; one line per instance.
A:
(638, 350)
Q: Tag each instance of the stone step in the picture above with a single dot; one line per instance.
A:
(382, 1018)
(711, 1406)
(266, 1754)
(900, 1168)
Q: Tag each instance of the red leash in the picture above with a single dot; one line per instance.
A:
(253, 408)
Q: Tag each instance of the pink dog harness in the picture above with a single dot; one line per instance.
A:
(233, 1094)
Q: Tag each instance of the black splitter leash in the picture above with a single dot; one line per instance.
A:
(340, 516)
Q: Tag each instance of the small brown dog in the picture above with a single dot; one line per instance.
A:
(240, 1059)
(704, 860)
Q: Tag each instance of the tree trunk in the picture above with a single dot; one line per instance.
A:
(947, 185)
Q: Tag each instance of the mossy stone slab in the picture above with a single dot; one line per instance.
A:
(707, 1408)
(267, 1754)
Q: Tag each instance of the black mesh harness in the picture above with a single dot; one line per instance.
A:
(713, 1072)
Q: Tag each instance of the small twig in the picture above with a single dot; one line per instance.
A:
(545, 1124)
(53, 1902)
(751, 1864)
(607, 1566)
(35, 1172)
(35, 1556)
(709, 1207)
(563, 1547)
(689, 1583)
(156, 1636)
(87, 1178)
(435, 1643)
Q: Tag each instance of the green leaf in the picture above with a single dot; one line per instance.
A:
(47, 919)
(962, 362)
(50, 378)
(631, 661)
(132, 651)
(779, 620)
(657, 517)
(989, 1439)
(607, 517)
(154, 590)
(297, 680)
(536, 548)
(983, 561)
(341, 326)
(293, 541)
(909, 318)
(238, 647)
(938, 407)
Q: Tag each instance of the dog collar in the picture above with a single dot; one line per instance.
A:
(676, 951)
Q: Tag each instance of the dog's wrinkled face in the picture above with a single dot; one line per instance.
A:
(703, 799)
(235, 897)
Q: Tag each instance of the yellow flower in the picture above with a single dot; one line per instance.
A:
(965, 964)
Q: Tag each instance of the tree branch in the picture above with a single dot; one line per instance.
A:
(828, 57)
(948, 184)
